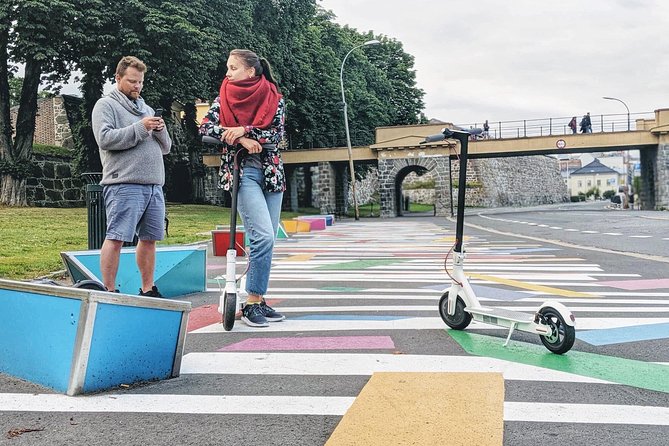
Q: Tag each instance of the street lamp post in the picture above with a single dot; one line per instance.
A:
(626, 107)
(348, 135)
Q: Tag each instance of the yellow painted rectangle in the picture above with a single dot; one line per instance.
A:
(425, 409)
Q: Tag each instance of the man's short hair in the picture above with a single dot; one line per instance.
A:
(129, 61)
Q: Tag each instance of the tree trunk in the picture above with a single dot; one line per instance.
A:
(5, 117)
(92, 87)
(13, 187)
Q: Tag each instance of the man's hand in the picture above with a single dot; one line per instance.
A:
(251, 145)
(153, 123)
(232, 134)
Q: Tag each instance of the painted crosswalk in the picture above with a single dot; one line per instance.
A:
(361, 298)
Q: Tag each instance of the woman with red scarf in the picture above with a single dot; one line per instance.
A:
(250, 112)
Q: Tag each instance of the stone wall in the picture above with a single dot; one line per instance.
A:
(55, 185)
(662, 176)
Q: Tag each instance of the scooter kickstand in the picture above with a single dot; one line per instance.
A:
(511, 329)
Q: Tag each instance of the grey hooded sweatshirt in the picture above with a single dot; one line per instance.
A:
(129, 153)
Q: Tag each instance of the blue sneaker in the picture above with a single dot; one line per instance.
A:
(270, 314)
(253, 316)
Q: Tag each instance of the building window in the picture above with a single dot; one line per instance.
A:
(580, 183)
(589, 183)
(599, 182)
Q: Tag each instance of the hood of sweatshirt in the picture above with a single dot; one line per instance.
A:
(137, 107)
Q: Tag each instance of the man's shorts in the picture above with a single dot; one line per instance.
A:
(134, 209)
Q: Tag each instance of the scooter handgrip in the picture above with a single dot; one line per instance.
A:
(210, 140)
(433, 138)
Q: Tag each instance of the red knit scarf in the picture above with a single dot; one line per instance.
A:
(248, 102)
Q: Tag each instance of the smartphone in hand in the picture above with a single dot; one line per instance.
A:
(158, 113)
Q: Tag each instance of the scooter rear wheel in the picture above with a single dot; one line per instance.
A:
(229, 309)
(460, 320)
(562, 335)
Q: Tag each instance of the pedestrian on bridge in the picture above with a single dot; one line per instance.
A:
(249, 113)
(572, 125)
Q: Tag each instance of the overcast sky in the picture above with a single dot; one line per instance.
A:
(525, 59)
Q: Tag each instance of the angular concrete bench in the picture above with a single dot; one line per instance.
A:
(293, 226)
(317, 223)
(179, 269)
(79, 341)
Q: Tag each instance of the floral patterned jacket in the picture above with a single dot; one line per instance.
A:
(271, 139)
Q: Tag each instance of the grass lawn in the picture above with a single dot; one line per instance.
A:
(31, 239)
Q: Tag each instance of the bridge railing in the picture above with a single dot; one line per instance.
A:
(559, 126)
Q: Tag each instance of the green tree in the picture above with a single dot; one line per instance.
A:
(38, 34)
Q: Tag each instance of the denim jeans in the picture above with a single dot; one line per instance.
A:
(260, 211)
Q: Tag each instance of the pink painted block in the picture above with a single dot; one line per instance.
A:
(317, 223)
(312, 343)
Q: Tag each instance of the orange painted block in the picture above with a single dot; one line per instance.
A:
(290, 226)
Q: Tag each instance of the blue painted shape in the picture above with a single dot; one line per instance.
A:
(38, 337)
(622, 335)
(347, 317)
(178, 271)
(131, 344)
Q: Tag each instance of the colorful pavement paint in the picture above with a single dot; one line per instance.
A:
(646, 375)
(312, 343)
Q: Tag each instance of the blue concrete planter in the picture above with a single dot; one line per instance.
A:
(78, 341)
(179, 269)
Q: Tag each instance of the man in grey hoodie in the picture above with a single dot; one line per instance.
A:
(132, 143)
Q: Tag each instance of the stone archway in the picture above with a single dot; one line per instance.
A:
(393, 171)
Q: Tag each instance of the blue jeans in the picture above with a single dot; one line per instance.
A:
(260, 211)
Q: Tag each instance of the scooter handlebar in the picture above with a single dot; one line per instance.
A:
(450, 133)
(211, 140)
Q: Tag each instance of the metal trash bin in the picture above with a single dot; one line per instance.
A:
(97, 214)
(95, 205)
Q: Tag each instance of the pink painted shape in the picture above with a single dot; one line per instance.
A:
(312, 343)
(631, 285)
(317, 224)
(202, 316)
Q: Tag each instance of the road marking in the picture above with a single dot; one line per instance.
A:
(587, 413)
(645, 375)
(632, 285)
(312, 343)
(640, 236)
(309, 405)
(611, 233)
(379, 415)
(622, 335)
(407, 323)
(347, 364)
(590, 232)
(527, 286)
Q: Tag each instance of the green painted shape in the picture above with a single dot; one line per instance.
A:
(341, 288)
(645, 375)
(360, 264)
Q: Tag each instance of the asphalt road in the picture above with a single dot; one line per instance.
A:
(362, 297)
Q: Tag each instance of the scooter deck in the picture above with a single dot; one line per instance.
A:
(514, 316)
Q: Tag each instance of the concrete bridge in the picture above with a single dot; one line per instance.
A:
(397, 153)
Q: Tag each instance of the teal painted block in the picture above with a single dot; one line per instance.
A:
(179, 270)
(280, 234)
(137, 343)
(38, 336)
(79, 341)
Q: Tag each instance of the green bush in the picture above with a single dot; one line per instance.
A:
(47, 150)
(608, 194)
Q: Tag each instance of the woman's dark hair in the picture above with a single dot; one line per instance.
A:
(259, 64)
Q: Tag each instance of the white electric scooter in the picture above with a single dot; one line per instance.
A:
(553, 322)
(233, 295)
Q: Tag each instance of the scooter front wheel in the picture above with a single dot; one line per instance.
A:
(562, 335)
(229, 309)
(461, 319)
